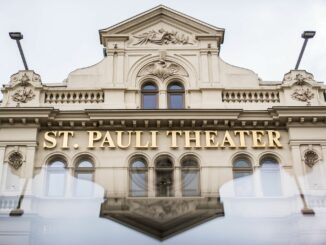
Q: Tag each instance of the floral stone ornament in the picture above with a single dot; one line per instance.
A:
(23, 95)
(15, 160)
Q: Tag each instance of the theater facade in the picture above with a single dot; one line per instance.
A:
(160, 136)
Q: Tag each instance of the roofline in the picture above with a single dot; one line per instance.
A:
(156, 8)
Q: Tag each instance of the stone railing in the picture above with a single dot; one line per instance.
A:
(8, 202)
(251, 96)
(73, 97)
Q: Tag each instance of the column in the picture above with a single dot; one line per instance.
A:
(2, 159)
(150, 182)
(177, 182)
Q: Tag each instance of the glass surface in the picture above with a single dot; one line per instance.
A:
(271, 178)
(175, 87)
(176, 101)
(242, 163)
(85, 164)
(149, 101)
(138, 164)
(149, 87)
(164, 183)
(190, 183)
(138, 183)
(56, 183)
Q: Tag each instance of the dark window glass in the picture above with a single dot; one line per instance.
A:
(138, 178)
(190, 177)
(149, 95)
(175, 96)
(164, 177)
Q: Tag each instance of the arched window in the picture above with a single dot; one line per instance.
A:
(138, 177)
(164, 176)
(56, 177)
(176, 96)
(149, 96)
(190, 176)
(84, 174)
(242, 167)
(270, 176)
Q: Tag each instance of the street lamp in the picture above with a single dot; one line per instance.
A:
(305, 35)
(18, 36)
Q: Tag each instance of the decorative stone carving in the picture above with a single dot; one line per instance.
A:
(23, 95)
(160, 210)
(311, 158)
(303, 94)
(15, 160)
(161, 37)
(299, 76)
(162, 69)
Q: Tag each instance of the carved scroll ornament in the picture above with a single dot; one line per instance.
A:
(161, 37)
(311, 158)
(15, 160)
(162, 69)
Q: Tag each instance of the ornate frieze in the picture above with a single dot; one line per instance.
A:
(299, 76)
(311, 158)
(162, 37)
(15, 160)
(162, 69)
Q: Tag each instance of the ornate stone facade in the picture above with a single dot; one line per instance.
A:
(158, 128)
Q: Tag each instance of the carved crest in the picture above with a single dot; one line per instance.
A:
(162, 69)
(15, 160)
(299, 76)
(311, 158)
(303, 94)
(162, 37)
(23, 95)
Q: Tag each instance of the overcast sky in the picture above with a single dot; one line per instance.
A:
(61, 36)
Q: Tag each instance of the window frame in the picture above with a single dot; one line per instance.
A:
(171, 92)
(151, 92)
(51, 170)
(192, 169)
(164, 169)
(132, 170)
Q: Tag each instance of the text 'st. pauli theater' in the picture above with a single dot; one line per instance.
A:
(162, 135)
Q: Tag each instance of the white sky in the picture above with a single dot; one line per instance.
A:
(61, 36)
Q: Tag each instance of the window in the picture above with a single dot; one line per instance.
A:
(190, 176)
(270, 176)
(138, 177)
(149, 96)
(56, 178)
(242, 168)
(84, 174)
(164, 177)
(176, 96)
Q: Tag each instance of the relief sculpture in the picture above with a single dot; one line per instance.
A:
(161, 37)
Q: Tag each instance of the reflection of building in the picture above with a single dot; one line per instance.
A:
(161, 123)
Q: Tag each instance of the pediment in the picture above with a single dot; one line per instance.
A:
(161, 26)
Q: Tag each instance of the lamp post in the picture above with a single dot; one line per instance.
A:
(18, 36)
(306, 35)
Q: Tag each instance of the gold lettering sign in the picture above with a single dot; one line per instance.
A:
(187, 139)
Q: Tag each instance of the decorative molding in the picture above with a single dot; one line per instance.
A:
(311, 158)
(15, 160)
(303, 94)
(162, 37)
(23, 95)
(162, 69)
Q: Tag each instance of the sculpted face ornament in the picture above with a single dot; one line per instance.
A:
(15, 160)
(161, 37)
(310, 158)
(23, 95)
